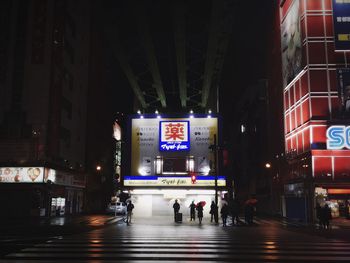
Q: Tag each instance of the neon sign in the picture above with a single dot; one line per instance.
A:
(174, 135)
(338, 137)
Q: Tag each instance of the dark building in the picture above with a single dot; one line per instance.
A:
(44, 50)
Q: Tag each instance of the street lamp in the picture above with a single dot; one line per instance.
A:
(268, 167)
(98, 168)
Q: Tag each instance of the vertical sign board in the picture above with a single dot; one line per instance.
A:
(343, 78)
(291, 44)
(341, 24)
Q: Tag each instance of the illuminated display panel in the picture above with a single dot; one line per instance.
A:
(21, 174)
(166, 181)
(150, 163)
(174, 136)
(341, 22)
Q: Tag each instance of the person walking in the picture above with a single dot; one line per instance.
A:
(248, 213)
(193, 211)
(235, 211)
(176, 207)
(224, 213)
(129, 209)
(200, 212)
(326, 216)
(318, 215)
(213, 211)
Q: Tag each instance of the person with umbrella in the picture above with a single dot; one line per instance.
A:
(200, 212)
(249, 210)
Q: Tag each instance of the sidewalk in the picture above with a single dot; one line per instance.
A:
(60, 225)
(337, 223)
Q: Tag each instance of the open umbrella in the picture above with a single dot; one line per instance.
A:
(251, 201)
(202, 203)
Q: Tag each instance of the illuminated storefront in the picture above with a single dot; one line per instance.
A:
(171, 158)
(316, 101)
(41, 191)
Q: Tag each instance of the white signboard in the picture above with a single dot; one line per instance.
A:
(173, 181)
(21, 174)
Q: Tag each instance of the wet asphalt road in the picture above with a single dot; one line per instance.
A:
(106, 239)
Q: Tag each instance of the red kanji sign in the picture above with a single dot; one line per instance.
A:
(174, 131)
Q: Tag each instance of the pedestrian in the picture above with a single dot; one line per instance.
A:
(213, 211)
(224, 213)
(326, 216)
(318, 215)
(200, 212)
(176, 207)
(129, 209)
(193, 211)
(235, 211)
(248, 213)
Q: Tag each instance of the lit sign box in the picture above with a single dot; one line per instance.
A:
(174, 136)
(173, 181)
(21, 174)
(338, 137)
(341, 22)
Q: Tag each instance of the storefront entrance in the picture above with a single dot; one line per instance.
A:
(151, 202)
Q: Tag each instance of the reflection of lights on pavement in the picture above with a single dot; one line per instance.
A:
(270, 247)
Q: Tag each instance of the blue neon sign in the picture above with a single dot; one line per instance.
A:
(174, 136)
(338, 137)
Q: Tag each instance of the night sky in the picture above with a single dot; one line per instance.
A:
(245, 59)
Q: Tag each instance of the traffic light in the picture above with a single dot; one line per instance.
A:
(193, 178)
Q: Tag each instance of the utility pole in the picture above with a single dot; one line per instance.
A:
(216, 168)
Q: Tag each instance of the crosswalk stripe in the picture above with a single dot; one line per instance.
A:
(185, 244)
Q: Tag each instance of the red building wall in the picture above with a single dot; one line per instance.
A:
(311, 98)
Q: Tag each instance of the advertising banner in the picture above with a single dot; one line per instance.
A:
(173, 181)
(21, 174)
(166, 144)
(64, 178)
(291, 44)
(341, 23)
(343, 79)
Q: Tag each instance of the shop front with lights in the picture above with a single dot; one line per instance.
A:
(40, 191)
(173, 157)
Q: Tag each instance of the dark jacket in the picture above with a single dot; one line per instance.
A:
(129, 207)
(224, 210)
(176, 207)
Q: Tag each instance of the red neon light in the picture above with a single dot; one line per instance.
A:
(338, 191)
